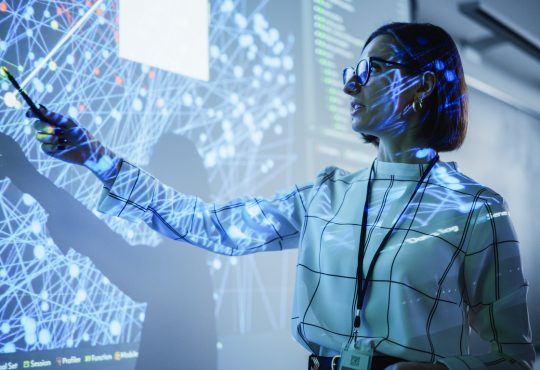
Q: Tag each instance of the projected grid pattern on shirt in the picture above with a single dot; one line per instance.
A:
(452, 261)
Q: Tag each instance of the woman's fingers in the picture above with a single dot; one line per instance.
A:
(44, 127)
(50, 139)
(52, 118)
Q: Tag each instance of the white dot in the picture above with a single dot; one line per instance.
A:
(288, 63)
(219, 345)
(187, 100)
(74, 270)
(141, 316)
(240, 20)
(85, 337)
(73, 112)
(214, 51)
(10, 100)
(227, 6)
(115, 328)
(98, 120)
(8, 348)
(70, 59)
(210, 159)
(80, 296)
(5, 328)
(35, 227)
(30, 338)
(291, 107)
(44, 295)
(3, 273)
(39, 251)
(28, 200)
(137, 104)
(233, 261)
(257, 70)
(256, 137)
(245, 40)
(69, 342)
(216, 264)
(44, 336)
(238, 71)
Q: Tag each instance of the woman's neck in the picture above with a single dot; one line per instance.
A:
(404, 151)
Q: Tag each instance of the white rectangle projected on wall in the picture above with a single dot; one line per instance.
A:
(168, 34)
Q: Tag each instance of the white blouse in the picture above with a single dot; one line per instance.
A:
(451, 263)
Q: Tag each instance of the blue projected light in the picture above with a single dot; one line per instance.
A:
(69, 57)
(50, 300)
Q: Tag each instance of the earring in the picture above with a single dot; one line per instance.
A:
(417, 105)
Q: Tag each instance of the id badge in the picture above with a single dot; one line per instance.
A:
(353, 358)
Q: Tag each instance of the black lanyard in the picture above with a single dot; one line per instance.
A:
(362, 285)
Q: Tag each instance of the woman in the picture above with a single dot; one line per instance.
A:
(394, 286)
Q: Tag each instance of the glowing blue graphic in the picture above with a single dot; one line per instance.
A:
(50, 300)
(65, 54)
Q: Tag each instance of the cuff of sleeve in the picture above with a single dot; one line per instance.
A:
(130, 194)
(462, 363)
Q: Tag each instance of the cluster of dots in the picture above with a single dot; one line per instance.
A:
(54, 300)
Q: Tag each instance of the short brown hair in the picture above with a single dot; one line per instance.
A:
(430, 48)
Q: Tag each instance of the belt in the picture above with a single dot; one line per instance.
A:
(378, 362)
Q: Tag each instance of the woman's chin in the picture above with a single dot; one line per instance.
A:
(357, 125)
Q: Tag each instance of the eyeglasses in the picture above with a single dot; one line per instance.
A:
(363, 70)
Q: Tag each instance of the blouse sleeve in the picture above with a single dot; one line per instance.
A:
(496, 293)
(241, 226)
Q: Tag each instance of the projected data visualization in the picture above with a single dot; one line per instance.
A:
(54, 301)
(220, 76)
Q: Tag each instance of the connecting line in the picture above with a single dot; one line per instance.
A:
(61, 42)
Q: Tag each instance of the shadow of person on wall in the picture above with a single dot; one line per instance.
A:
(179, 330)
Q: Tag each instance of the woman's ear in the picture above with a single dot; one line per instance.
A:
(426, 87)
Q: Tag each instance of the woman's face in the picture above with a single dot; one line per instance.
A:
(376, 107)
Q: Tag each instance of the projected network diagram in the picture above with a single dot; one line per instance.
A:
(66, 54)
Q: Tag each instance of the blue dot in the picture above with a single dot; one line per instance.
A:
(439, 64)
(450, 76)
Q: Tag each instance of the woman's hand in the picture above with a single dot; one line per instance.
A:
(415, 366)
(62, 138)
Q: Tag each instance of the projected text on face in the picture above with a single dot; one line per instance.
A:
(167, 34)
